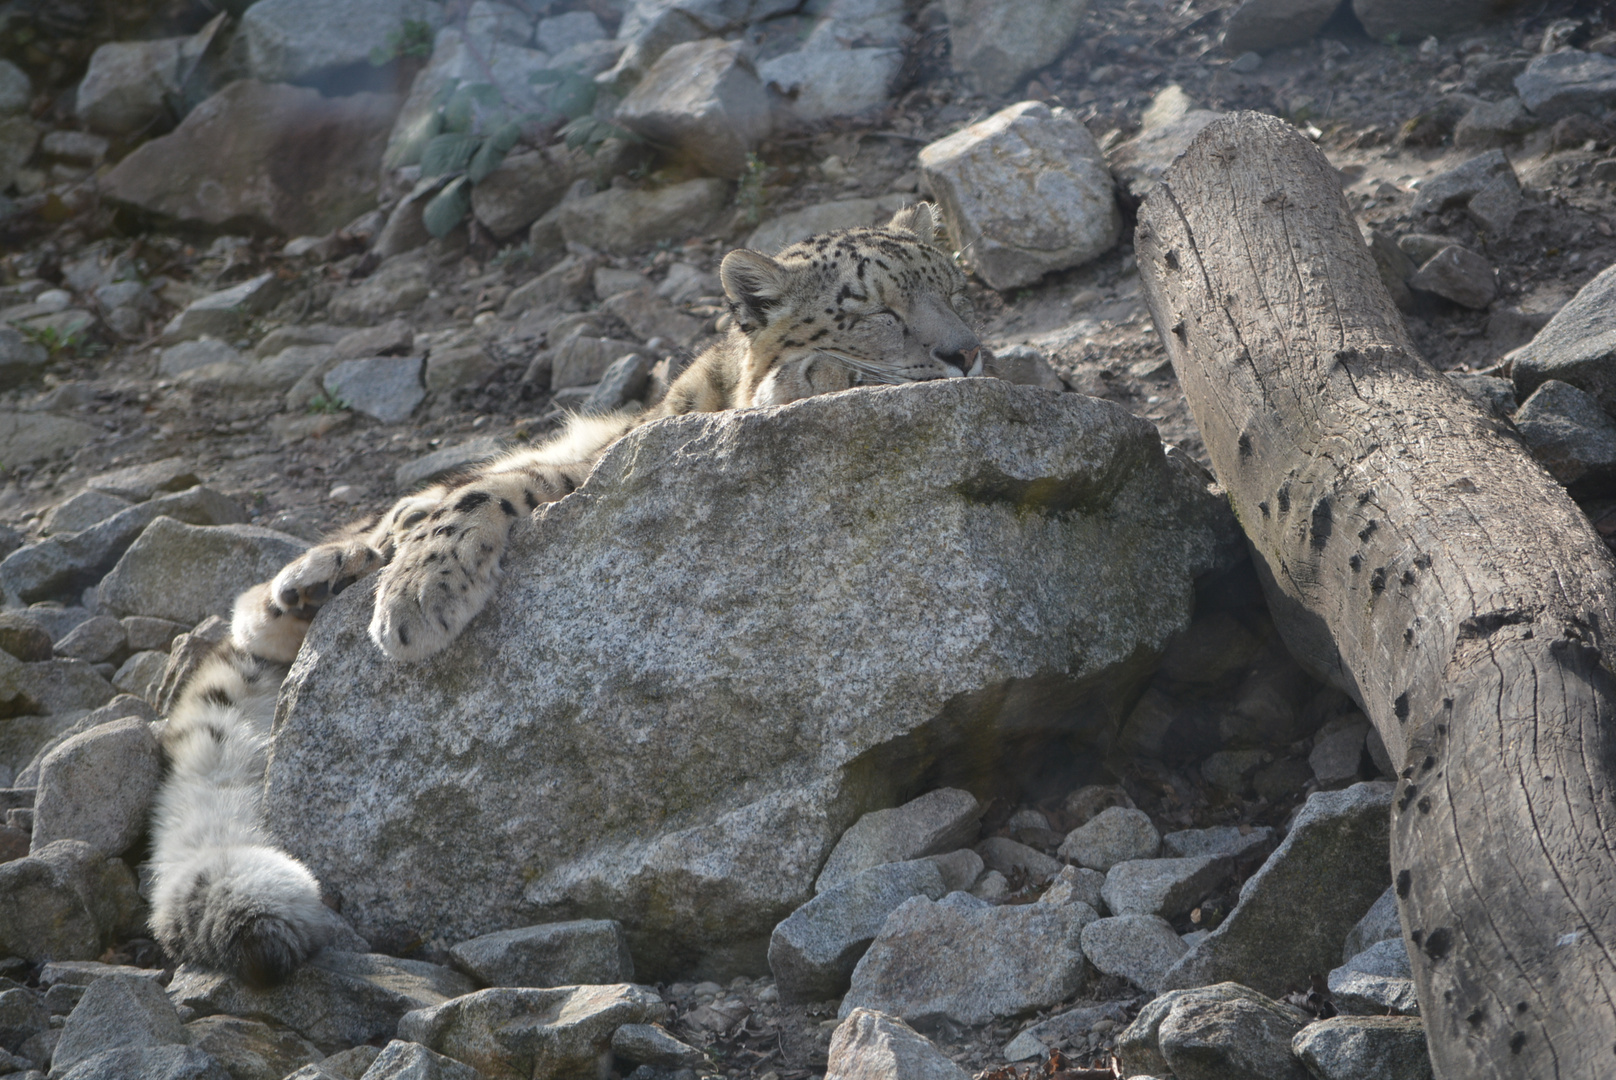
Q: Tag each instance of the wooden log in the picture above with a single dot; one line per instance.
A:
(1416, 555)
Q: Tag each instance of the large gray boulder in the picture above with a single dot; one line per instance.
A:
(1001, 42)
(1578, 346)
(938, 821)
(66, 901)
(119, 1011)
(870, 1045)
(703, 101)
(1024, 192)
(666, 740)
(97, 787)
(184, 573)
(1365, 1048)
(1331, 869)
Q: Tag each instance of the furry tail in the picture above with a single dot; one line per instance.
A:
(225, 898)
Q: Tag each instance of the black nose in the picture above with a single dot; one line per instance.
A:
(962, 359)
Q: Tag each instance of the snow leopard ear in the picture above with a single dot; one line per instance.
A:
(754, 283)
(921, 219)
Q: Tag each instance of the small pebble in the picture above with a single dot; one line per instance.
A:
(346, 494)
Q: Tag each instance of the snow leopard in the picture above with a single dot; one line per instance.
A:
(880, 304)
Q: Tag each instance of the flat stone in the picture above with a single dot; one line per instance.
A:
(797, 225)
(825, 83)
(1000, 42)
(1577, 346)
(83, 510)
(813, 952)
(98, 786)
(621, 220)
(944, 960)
(1234, 841)
(1266, 25)
(96, 640)
(1569, 434)
(1165, 887)
(1387, 959)
(85, 972)
(651, 1044)
(1365, 1048)
(117, 1012)
(1023, 192)
(219, 314)
(303, 41)
(1036, 1040)
(66, 901)
(1333, 864)
(1139, 948)
(26, 438)
(1117, 834)
(137, 483)
(506, 1032)
(50, 686)
(937, 821)
(1458, 274)
(702, 100)
(392, 338)
(184, 573)
(1458, 185)
(870, 1045)
(1360, 993)
(387, 388)
(63, 566)
(450, 459)
(335, 1000)
(552, 954)
(251, 1049)
(1567, 81)
(209, 170)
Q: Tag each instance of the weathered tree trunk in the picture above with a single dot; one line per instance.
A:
(1417, 556)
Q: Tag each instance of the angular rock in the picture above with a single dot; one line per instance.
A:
(1139, 948)
(1459, 185)
(21, 358)
(399, 285)
(1414, 20)
(1038, 1039)
(141, 673)
(118, 1012)
(83, 510)
(1567, 81)
(1577, 346)
(1012, 859)
(1338, 750)
(450, 459)
(870, 1045)
(960, 869)
(118, 708)
(98, 786)
(65, 901)
(520, 1033)
(703, 101)
(1365, 1048)
(935, 961)
(1458, 274)
(1360, 993)
(50, 687)
(184, 573)
(26, 438)
(1491, 124)
(1024, 192)
(650, 1044)
(1569, 434)
(197, 352)
(96, 640)
(129, 84)
(754, 750)
(1265, 25)
(566, 286)
(813, 952)
(23, 638)
(583, 360)
(1165, 887)
(1333, 864)
(1228, 1031)
(624, 381)
(1387, 959)
(1139, 163)
(1076, 883)
(624, 220)
(22, 1016)
(1117, 834)
(1497, 396)
(63, 566)
(1380, 923)
(210, 170)
(148, 1063)
(553, 954)
(82, 973)
(306, 41)
(251, 1049)
(1231, 840)
(935, 822)
(15, 90)
(335, 1000)
(411, 1061)
(525, 185)
(387, 388)
(796, 225)
(824, 83)
(999, 42)
(394, 338)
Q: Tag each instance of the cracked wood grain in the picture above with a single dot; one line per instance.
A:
(1415, 555)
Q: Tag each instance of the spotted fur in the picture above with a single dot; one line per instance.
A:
(864, 305)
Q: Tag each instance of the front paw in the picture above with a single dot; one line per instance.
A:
(420, 609)
(320, 573)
